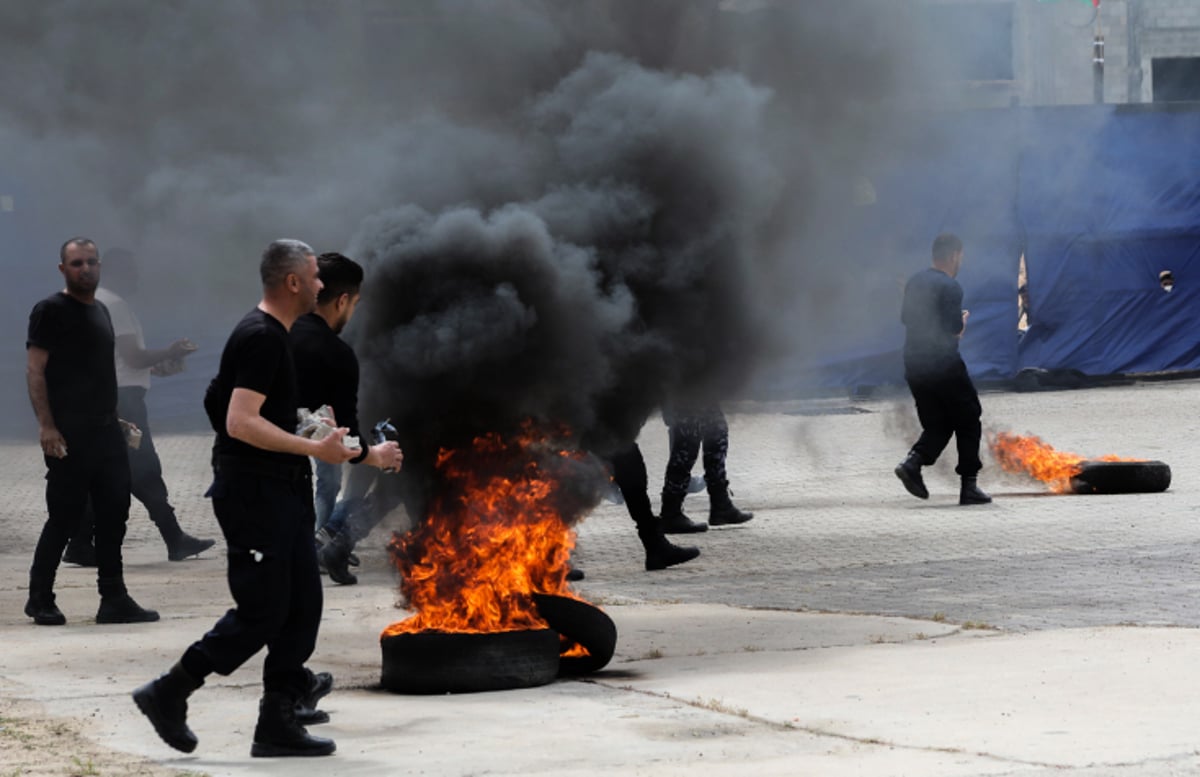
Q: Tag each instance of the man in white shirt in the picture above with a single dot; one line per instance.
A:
(135, 363)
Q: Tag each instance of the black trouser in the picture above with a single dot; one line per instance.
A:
(268, 523)
(95, 468)
(689, 429)
(947, 404)
(145, 471)
(629, 473)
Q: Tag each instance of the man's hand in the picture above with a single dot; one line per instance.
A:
(962, 331)
(180, 348)
(387, 456)
(53, 443)
(331, 450)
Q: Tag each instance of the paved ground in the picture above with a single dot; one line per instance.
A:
(848, 630)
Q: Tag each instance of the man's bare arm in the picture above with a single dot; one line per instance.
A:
(51, 439)
(244, 421)
(141, 358)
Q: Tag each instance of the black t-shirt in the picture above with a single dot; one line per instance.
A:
(81, 373)
(932, 316)
(257, 356)
(326, 372)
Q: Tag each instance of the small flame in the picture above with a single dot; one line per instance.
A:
(1028, 455)
(497, 531)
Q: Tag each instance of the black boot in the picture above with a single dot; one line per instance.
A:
(334, 558)
(121, 608)
(971, 494)
(164, 701)
(909, 472)
(721, 510)
(278, 734)
(674, 520)
(319, 686)
(185, 546)
(660, 553)
(43, 610)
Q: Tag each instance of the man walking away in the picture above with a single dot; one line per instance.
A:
(947, 403)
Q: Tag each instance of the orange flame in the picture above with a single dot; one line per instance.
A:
(497, 532)
(1028, 455)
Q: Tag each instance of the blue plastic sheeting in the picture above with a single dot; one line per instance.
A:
(1101, 199)
(1110, 198)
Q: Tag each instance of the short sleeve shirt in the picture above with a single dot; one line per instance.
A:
(81, 380)
(258, 357)
(125, 323)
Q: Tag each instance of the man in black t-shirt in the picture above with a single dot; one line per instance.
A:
(947, 403)
(327, 374)
(262, 497)
(73, 387)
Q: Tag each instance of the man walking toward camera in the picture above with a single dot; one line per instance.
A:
(947, 403)
(72, 383)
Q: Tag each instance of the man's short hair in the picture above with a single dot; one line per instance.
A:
(339, 275)
(282, 258)
(945, 246)
(82, 241)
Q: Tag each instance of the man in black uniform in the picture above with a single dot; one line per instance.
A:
(692, 425)
(72, 383)
(946, 400)
(262, 497)
(327, 374)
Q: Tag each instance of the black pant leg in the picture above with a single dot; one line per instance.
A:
(966, 412)
(145, 469)
(293, 645)
(629, 473)
(716, 447)
(66, 500)
(936, 424)
(686, 433)
(108, 487)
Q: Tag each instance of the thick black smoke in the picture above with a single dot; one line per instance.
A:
(642, 190)
(629, 279)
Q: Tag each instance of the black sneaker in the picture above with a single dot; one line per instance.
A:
(123, 609)
(187, 546)
(44, 611)
(334, 559)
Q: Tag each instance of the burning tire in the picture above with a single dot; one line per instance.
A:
(1121, 477)
(579, 623)
(441, 662)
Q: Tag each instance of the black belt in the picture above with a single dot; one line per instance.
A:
(247, 465)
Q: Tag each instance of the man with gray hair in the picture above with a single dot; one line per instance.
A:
(262, 497)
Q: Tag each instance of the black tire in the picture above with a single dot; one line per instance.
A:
(1122, 477)
(579, 623)
(439, 662)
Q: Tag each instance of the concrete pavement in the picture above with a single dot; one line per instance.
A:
(850, 629)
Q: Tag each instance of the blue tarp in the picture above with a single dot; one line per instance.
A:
(1099, 199)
